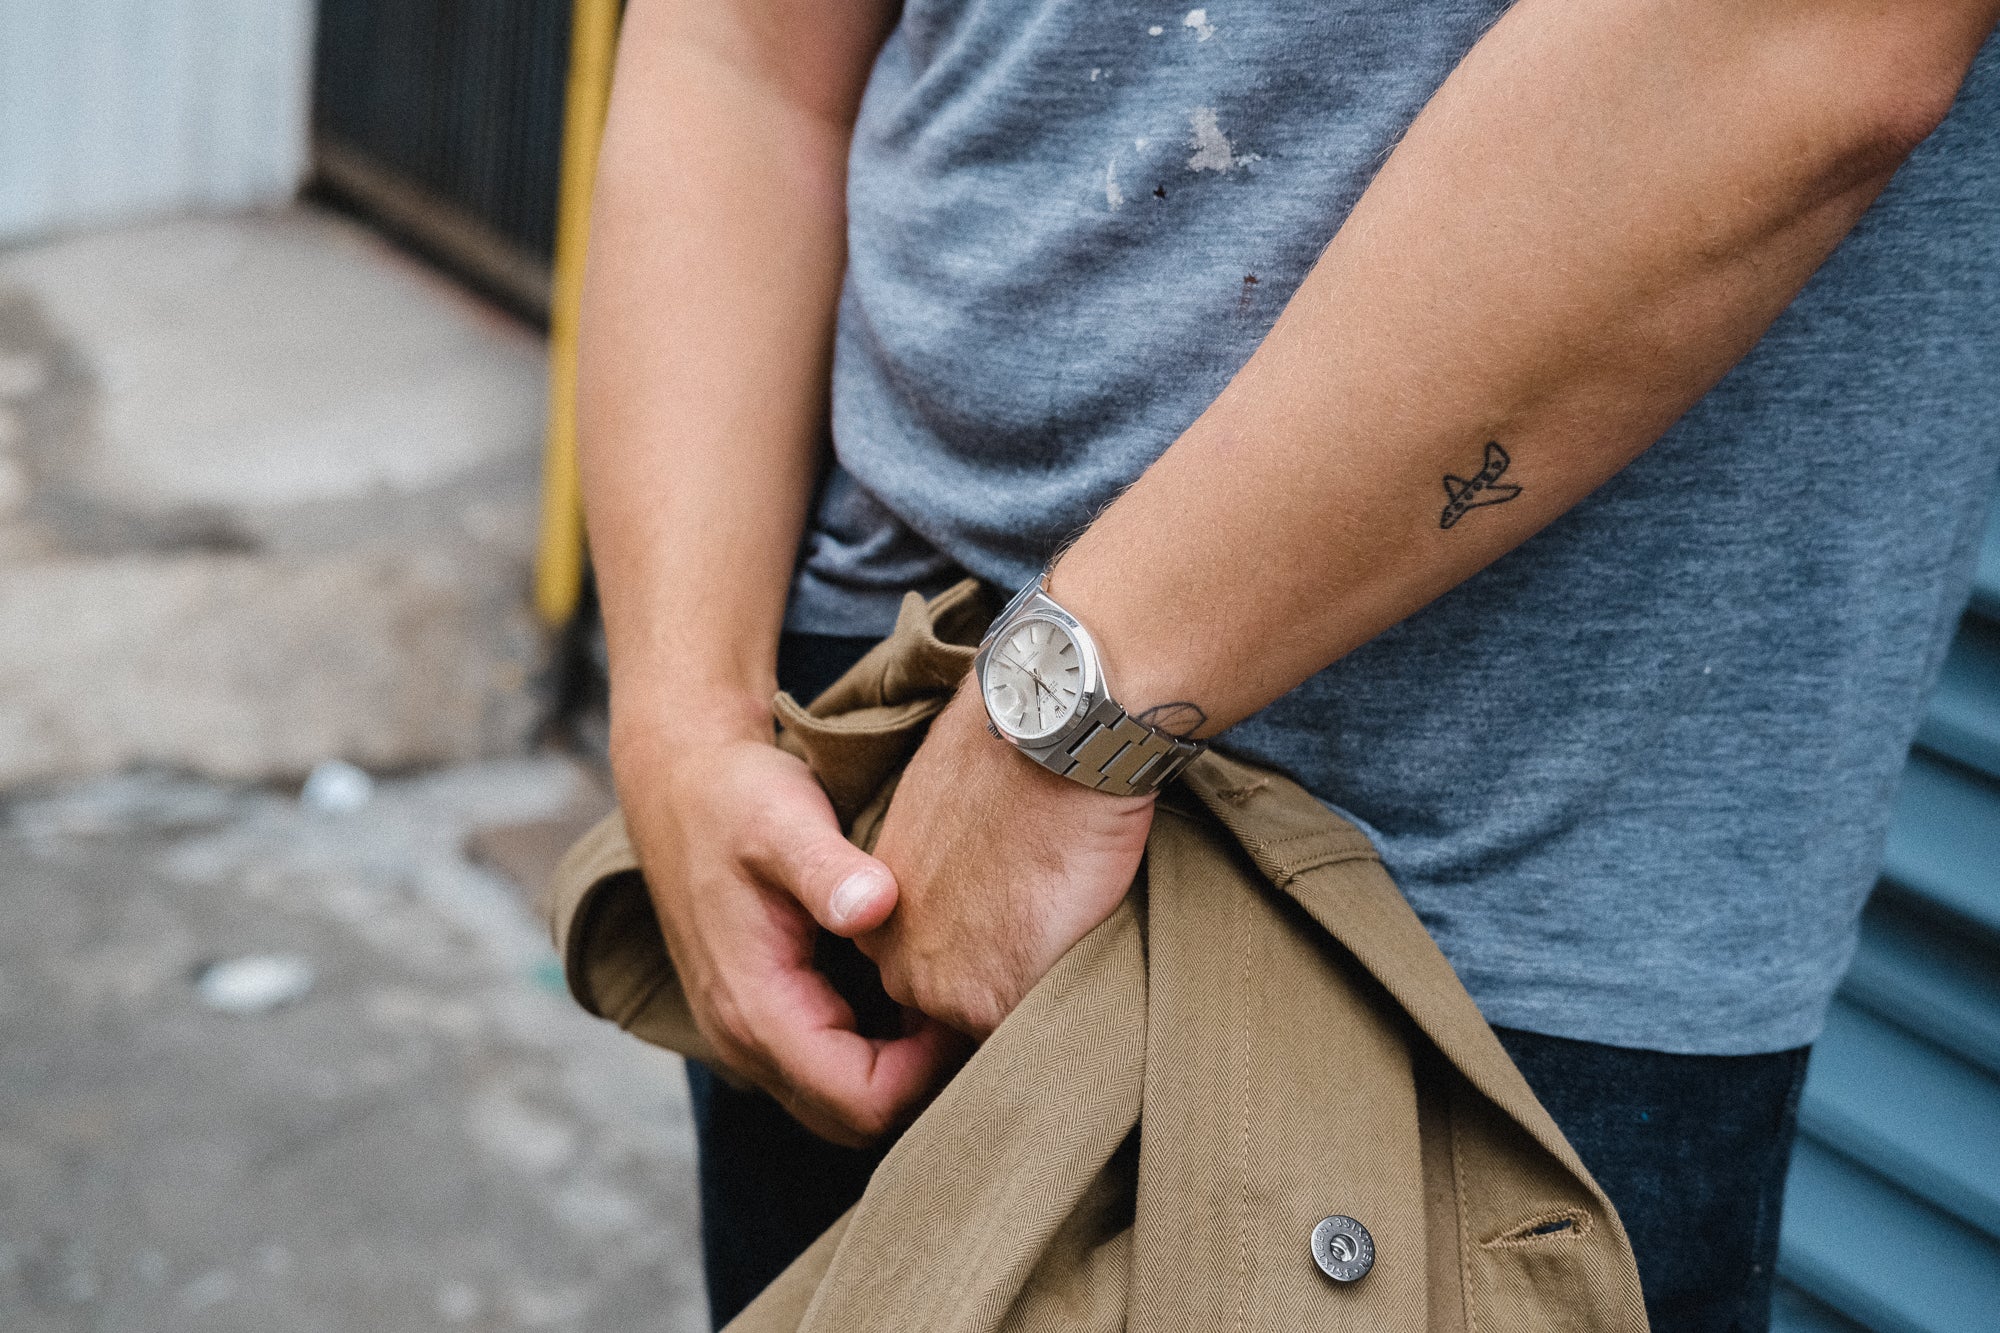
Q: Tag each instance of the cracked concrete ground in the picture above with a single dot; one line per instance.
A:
(433, 1137)
(268, 494)
(267, 498)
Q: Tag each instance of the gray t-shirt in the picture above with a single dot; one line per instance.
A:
(1635, 777)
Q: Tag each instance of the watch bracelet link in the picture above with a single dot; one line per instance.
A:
(1113, 752)
(1119, 755)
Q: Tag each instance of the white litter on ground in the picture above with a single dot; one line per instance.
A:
(254, 984)
(336, 787)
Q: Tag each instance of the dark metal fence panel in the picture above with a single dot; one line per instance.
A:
(445, 117)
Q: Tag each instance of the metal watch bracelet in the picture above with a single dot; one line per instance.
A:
(1118, 754)
(1102, 747)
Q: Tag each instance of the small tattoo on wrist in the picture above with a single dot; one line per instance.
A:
(1462, 493)
(1180, 719)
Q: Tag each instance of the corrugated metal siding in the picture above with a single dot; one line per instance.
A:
(463, 98)
(123, 108)
(1892, 1214)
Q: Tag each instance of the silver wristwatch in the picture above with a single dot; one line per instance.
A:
(1043, 683)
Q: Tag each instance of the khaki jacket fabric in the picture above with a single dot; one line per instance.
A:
(1262, 1036)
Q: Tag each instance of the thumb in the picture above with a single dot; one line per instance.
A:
(847, 891)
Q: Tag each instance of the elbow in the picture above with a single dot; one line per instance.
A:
(1891, 82)
(1899, 117)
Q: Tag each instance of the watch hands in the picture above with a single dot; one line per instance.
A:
(1033, 675)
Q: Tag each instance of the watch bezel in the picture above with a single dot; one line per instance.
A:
(1091, 689)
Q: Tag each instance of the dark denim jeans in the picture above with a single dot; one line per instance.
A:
(1692, 1149)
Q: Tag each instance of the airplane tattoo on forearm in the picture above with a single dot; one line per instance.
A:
(1462, 494)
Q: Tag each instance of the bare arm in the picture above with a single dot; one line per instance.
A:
(717, 247)
(1596, 216)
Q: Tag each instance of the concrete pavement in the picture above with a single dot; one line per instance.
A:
(433, 1137)
(267, 500)
(267, 496)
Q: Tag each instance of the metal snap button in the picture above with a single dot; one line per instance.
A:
(1343, 1249)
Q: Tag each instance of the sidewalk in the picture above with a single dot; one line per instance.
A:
(267, 496)
(431, 1137)
(272, 1063)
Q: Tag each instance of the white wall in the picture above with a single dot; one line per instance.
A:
(115, 109)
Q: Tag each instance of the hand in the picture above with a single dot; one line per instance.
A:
(745, 862)
(1001, 866)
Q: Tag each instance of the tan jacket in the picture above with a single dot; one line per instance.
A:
(1259, 1038)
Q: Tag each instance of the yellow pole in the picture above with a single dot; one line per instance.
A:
(559, 553)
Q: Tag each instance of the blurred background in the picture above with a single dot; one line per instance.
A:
(286, 748)
(301, 698)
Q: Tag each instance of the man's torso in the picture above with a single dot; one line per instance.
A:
(1635, 775)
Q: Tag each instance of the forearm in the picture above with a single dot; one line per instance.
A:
(715, 264)
(716, 255)
(1597, 215)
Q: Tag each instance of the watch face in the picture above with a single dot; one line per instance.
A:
(1034, 679)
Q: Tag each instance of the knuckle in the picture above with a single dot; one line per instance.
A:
(728, 1029)
(972, 1009)
(981, 1018)
(782, 848)
(961, 1016)
(844, 1118)
(875, 1125)
(808, 1112)
(897, 984)
(813, 859)
(867, 1123)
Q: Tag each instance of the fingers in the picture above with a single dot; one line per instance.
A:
(802, 851)
(962, 997)
(743, 857)
(847, 1088)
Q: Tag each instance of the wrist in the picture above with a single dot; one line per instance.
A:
(964, 724)
(653, 723)
(1148, 661)
(1047, 693)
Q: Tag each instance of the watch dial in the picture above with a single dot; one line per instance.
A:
(1034, 679)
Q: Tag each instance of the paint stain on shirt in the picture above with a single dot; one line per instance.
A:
(1212, 149)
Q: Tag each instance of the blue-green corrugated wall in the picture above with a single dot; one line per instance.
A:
(1892, 1214)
